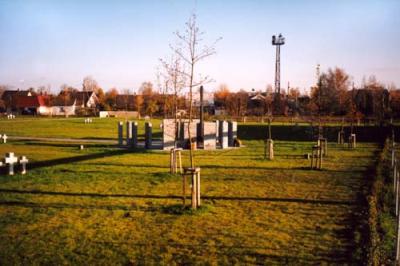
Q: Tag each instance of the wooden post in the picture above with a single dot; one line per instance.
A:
(265, 149)
(398, 241)
(171, 161)
(184, 189)
(394, 176)
(194, 190)
(352, 141)
(316, 157)
(194, 173)
(197, 176)
(320, 158)
(341, 137)
(175, 160)
(323, 143)
(397, 196)
(312, 158)
(180, 161)
(269, 149)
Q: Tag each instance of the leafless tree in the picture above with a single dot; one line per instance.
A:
(191, 52)
(173, 78)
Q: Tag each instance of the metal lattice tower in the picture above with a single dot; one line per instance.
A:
(278, 41)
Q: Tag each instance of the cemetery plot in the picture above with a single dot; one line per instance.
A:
(118, 207)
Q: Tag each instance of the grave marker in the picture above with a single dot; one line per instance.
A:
(23, 161)
(10, 159)
(4, 138)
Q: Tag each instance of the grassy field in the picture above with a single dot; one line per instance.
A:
(101, 128)
(110, 206)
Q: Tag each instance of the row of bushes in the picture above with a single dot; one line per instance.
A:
(381, 213)
(309, 133)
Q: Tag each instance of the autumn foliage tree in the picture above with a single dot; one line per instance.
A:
(331, 96)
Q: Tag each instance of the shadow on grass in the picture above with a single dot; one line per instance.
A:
(80, 158)
(68, 145)
(204, 197)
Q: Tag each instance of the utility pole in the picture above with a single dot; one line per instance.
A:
(278, 41)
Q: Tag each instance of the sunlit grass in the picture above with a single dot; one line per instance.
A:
(123, 207)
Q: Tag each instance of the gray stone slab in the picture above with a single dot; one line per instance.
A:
(169, 133)
(210, 136)
(128, 133)
(223, 134)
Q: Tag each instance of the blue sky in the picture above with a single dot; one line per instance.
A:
(119, 43)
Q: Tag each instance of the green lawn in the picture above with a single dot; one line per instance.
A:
(101, 128)
(108, 206)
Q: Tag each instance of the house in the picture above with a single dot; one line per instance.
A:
(85, 99)
(9, 97)
(61, 105)
(31, 105)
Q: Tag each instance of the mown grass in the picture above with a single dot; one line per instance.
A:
(73, 127)
(103, 205)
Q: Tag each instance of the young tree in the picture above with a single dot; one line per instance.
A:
(191, 54)
(173, 77)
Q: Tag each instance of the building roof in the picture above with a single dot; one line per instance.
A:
(82, 97)
(10, 95)
(30, 101)
(258, 97)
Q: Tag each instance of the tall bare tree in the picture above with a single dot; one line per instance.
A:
(191, 52)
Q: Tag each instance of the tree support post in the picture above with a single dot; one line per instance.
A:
(194, 173)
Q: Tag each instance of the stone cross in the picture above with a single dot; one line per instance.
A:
(23, 161)
(4, 138)
(11, 160)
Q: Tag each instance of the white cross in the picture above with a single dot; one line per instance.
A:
(4, 138)
(23, 160)
(11, 160)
